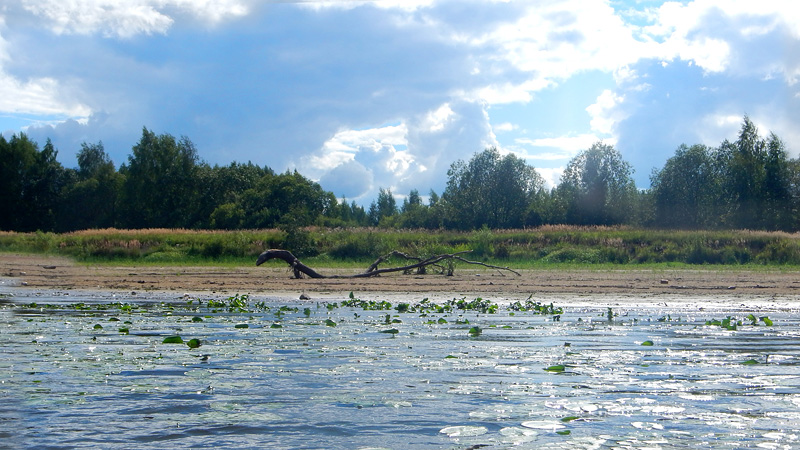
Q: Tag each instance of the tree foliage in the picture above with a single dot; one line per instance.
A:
(160, 184)
(749, 182)
(490, 190)
(596, 188)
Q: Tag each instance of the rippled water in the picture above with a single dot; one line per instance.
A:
(65, 383)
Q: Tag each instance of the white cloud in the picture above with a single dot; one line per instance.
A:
(502, 93)
(559, 39)
(41, 96)
(569, 145)
(127, 18)
(35, 96)
(605, 113)
(505, 127)
(713, 36)
(414, 154)
(346, 144)
(552, 176)
(436, 121)
(402, 5)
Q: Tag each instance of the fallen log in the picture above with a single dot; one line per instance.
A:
(301, 269)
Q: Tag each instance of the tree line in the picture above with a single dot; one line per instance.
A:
(747, 183)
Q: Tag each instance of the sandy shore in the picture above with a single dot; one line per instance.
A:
(44, 272)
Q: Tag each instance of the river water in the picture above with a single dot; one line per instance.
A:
(92, 371)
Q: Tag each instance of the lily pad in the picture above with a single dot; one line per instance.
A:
(464, 430)
(558, 368)
(193, 343)
(172, 340)
(647, 343)
(543, 425)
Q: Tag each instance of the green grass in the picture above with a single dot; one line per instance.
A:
(546, 247)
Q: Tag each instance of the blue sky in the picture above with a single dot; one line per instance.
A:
(360, 95)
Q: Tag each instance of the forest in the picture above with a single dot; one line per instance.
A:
(747, 183)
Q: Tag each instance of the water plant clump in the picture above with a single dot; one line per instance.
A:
(234, 303)
(732, 324)
(369, 305)
(535, 307)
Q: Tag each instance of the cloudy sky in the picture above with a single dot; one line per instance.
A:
(388, 93)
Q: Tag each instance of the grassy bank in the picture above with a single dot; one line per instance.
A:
(554, 245)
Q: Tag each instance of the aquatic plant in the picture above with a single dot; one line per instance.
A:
(535, 307)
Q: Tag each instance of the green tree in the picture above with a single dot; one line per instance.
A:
(413, 214)
(30, 184)
(288, 198)
(685, 191)
(490, 190)
(91, 200)
(596, 188)
(779, 204)
(383, 209)
(222, 189)
(160, 188)
(746, 176)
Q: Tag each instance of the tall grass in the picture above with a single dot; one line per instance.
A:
(541, 246)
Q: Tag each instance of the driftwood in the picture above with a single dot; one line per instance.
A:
(301, 269)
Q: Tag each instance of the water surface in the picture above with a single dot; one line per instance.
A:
(348, 378)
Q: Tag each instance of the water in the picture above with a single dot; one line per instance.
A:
(64, 383)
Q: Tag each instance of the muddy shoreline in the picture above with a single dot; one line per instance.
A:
(48, 273)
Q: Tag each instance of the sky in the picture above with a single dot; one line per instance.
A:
(363, 95)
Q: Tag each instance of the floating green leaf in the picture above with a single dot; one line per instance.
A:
(556, 368)
(391, 331)
(330, 323)
(276, 325)
(197, 319)
(750, 362)
(172, 340)
(98, 326)
(569, 419)
(564, 432)
(124, 330)
(766, 321)
(241, 325)
(475, 331)
(193, 343)
(442, 320)
(647, 343)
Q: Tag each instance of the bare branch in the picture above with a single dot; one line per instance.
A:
(373, 270)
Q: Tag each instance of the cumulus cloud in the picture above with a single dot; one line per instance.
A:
(605, 112)
(412, 155)
(559, 148)
(127, 18)
(349, 179)
(36, 96)
(388, 93)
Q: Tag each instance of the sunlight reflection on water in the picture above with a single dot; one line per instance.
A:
(65, 383)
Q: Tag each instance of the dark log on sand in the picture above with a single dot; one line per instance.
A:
(299, 268)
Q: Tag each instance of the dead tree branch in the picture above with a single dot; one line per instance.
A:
(373, 270)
